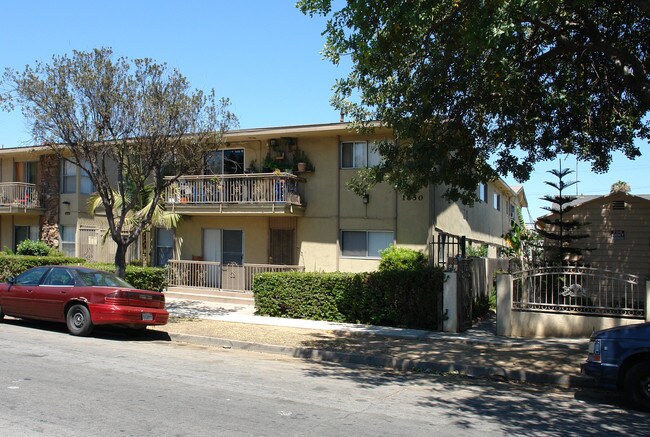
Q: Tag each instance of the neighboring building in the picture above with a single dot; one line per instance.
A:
(618, 226)
(239, 213)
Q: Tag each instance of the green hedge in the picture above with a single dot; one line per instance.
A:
(13, 265)
(145, 278)
(400, 298)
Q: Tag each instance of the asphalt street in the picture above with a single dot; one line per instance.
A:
(54, 384)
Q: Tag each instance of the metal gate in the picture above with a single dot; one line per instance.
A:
(465, 294)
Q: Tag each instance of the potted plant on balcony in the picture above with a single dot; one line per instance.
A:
(302, 162)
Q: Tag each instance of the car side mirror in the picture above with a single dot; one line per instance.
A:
(11, 280)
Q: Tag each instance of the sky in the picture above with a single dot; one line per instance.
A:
(264, 55)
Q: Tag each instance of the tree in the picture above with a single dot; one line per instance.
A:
(126, 123)
(557, 229)
(620, 187)
(161, 217)
(464, 83)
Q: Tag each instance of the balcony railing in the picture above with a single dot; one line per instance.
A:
(256, 188)
(215, 275)
(19, 195)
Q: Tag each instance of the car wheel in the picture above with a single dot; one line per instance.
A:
(2, 314)
(637, 385)
(78, 320)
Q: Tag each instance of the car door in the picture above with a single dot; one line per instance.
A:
(53, 292)
(20, 299)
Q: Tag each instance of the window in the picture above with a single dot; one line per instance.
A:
(68, 177)
(365, 244)
(164, 246)
(31, 277)
(26, 172)
(59, 277)
(22, 233)
(482, 192)
(85, 184)
(228, 161)
(497, 201)
(359, 154)
(232, 247)
(68, 234)
(513, 212)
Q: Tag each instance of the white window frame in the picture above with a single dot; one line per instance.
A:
(85, 183)
(160, 246)
(497, 201)
(66, 245)
(368, 235)
(483, 192)
(364, 154)
(68, 178)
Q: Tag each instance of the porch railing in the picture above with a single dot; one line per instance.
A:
(578, 290)
(216, 275)
(19, 194)
(255, 188)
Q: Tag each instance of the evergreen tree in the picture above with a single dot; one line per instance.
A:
(559, 232)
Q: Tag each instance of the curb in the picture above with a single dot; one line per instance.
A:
(387, 362)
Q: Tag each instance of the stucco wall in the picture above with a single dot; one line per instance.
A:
(531, 324)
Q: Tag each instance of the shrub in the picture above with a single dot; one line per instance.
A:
(401, 258)
(145, 278)
(33, 248)
(14, 265)
(401, 298)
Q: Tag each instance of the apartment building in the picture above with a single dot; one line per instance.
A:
(269, 199)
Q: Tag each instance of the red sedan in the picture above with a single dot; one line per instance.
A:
(81, 298)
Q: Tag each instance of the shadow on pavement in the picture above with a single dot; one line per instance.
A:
(104, 332)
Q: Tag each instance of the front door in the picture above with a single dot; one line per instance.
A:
(233, 271)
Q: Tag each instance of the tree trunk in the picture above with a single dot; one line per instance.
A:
(120, 259)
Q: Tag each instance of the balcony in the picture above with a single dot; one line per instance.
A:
(255, 193)
(19, 197)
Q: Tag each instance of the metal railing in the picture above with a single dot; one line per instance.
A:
(19, 194)
(578, 290)
(255, 188)
(216, 275)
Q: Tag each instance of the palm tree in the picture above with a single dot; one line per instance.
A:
(161, 217)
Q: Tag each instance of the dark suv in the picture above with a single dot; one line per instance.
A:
(620, 358)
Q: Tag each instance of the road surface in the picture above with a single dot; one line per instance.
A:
(54, 384)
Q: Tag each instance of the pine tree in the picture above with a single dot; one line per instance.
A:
(559, 232)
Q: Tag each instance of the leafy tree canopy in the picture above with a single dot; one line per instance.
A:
(128, 124)
(466, 82)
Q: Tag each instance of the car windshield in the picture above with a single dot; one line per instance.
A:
(103, 279)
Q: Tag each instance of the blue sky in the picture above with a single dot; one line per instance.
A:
(263, 55)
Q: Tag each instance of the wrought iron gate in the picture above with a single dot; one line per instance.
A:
(465, 294)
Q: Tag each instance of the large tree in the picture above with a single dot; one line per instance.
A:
(129, 124)
(467, 83)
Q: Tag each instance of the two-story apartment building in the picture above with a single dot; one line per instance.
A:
(254, 208)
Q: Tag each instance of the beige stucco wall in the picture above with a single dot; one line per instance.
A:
(546, 325)
(189, 235)
(480, 222)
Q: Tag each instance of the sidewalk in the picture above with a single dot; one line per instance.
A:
(477, 352)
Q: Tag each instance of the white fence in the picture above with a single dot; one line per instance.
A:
(215, 275)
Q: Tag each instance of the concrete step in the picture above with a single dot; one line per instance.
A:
(210, 295)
